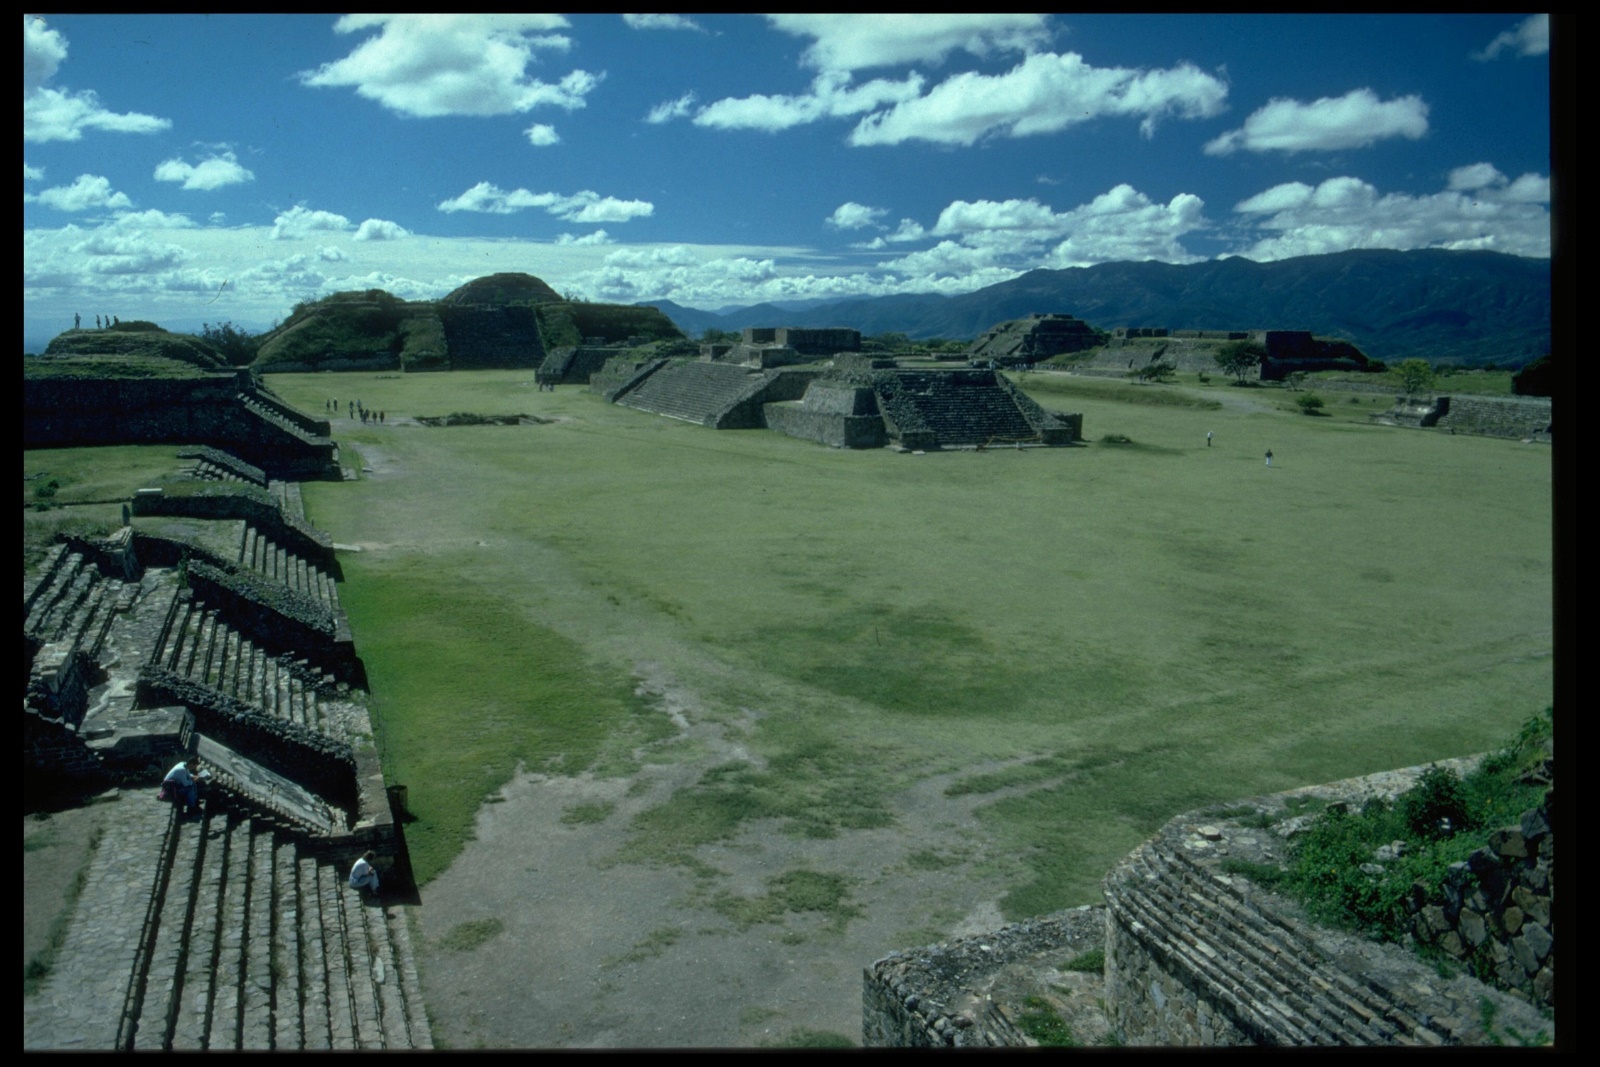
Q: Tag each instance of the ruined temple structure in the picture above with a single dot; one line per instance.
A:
(1196, 954)
(154, 387)
(808, 342)
(1526, 418)
(1025, 341)
(1129, 348)
(207, 625)
(499, 321)
(846, 407)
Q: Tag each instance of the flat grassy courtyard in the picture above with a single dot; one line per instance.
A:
(1090, 640)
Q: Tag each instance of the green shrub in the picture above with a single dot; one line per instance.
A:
(1309, 403)
(1437, 805)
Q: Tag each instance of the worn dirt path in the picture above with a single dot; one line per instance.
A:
(593, 953)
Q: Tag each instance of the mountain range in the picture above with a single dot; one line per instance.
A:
(1466, 308)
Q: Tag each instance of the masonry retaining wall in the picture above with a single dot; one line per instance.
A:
(1198, 956)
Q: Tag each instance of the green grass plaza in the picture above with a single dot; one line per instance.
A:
(1100, 637)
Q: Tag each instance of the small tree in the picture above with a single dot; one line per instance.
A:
(1239, 358)
(236, 346)
(1415, 374)
(1154, 372)
(1310, 403)
(1295, 380)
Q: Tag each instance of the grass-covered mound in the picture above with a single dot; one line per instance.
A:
(131, 350)
(358, 330)
(504, 290)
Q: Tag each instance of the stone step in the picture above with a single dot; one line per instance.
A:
(164, 969)
(86, 1000)
(287, 1011)
(313, 972)
(418, 1033)
(37, 585)
(342, 1012)
(192, 1018)
(255, 987)
(232, 935)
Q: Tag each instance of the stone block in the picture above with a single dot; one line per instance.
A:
(1472, 927)
(1538, 939)
(1509, 843)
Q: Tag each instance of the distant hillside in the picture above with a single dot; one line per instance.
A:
(1446, 307)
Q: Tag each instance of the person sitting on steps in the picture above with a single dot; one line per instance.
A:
(182, 788)
(363, 875)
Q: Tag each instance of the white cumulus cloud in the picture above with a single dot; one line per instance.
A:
(433, 65)
(1530, 37)
(668, 110)
(598, 237)
(299, 221)
(584, 207)
(662, 22)
(1045, 93)
(1354, 120)
(31, 174)
(381, 230)
(541, 136)
(89, 191)
(831, 96)
(61, 114)
(211, 173)
(1479, 209)
(853, 216)
(849, 42)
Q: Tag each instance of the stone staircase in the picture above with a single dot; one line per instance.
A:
(1262, 968)
(961, 407)
(274, 562)
(219, 933)
(71, 602)
(198, 644)
(697, 392)
(270, 413)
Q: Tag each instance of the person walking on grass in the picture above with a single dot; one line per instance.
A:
(1208, 438)
(1269, 457)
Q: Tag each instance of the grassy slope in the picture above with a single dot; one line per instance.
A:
(1164, 625)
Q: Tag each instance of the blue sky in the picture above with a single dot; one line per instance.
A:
(209, 168)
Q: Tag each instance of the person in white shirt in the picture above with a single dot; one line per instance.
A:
(181, 785)
(363, 875)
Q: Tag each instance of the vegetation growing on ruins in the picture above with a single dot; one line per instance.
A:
(1440, 821)
(858, 622)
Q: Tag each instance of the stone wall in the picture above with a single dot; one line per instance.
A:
(223, 410)
(1495, 913)
(487, 338)
(968, 992)
(1499, 416)
(1196, 955)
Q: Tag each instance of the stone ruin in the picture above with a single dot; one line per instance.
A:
(1127, 349)
(1022, 342)
(1196, 954)
(857, 406)
(505, 320)
(1525, 418)
(156, 388)
(210, 626)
